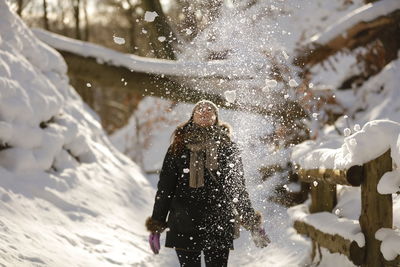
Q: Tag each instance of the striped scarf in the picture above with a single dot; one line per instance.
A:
(203, 143)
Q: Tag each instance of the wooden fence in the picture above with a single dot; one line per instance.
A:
(376, 210)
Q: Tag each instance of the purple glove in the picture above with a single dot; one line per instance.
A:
(154, 241)
(260, 238)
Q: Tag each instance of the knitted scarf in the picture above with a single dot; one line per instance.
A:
(203, 144)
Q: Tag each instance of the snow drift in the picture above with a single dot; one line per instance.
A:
(67, 196)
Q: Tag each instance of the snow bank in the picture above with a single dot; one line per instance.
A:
(356, 149)
(329, 223)
(67, 196)
(365, 13)
(150, 65)
(378, 98)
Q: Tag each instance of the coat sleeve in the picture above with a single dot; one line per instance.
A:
(165, 192)
(249, 218)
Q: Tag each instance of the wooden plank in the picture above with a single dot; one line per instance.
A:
(334, 243)
(376, 210)
(352, 176)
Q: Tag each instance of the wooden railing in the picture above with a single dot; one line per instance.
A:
(376, 210)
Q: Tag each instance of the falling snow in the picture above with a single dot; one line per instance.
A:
(230, 96)
(118, 40)
(271, 83)
(347, 132)
(150, 16)
(293, 83)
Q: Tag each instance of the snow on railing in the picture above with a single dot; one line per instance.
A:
(366, 156)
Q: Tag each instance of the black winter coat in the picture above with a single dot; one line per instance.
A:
(202, 217)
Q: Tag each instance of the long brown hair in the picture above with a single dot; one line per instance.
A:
(179, 135)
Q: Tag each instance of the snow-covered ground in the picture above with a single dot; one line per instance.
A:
(68, 197)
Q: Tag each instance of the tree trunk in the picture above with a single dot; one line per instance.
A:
(133, 26)
(19, 8)
(85, 12)
(61, 24)
(160, 27)
(190, 21)
(45, 19)
(76, 16)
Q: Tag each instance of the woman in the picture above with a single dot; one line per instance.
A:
(202, 188)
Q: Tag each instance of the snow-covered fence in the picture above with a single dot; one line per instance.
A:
(376, 211)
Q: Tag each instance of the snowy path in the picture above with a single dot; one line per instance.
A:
(274, 255)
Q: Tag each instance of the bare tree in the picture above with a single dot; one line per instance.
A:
(160, 27)
(189, 17)
(144, 35)
(45, 18)
(131, 16)
(185, 14)
(85, 12)
(76, 6)
(20, 7)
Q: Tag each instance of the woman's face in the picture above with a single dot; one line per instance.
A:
(204, 115)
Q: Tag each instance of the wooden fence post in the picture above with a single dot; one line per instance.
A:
(377, 209)
(323, 198)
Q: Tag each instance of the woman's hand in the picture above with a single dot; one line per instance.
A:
(154, 241)
(260, 238)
